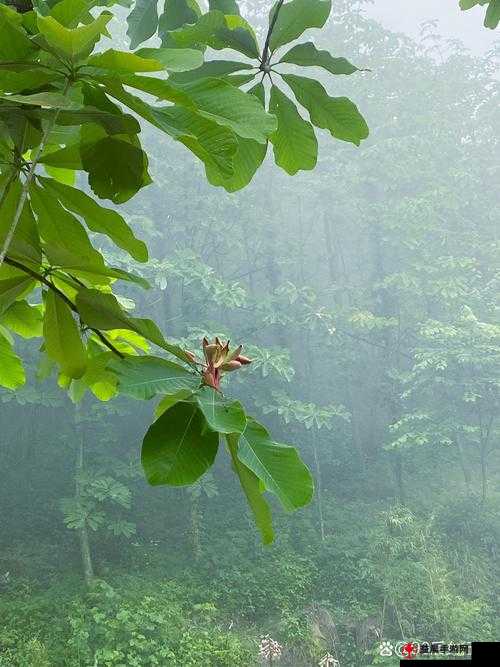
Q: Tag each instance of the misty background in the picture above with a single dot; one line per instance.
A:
(366, 293)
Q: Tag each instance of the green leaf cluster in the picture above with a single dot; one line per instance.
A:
(294, 141)
(181, 445)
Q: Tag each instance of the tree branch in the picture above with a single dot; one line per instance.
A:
(264, 63)
(29, 177)
(42, 279)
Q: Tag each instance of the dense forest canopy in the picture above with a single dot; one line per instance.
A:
(365, 292)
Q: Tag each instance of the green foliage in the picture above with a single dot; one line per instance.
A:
(128, 624)
(66, 106)
(99, 496)
(177, 448)
(492, 16)
(295, 144)
(117, 627)
(142, 21)
(277, 466)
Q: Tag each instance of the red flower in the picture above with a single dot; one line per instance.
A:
(218, 360)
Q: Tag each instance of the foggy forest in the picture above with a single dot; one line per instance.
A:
(249, 334)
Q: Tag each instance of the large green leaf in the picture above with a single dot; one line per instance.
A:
(222, 415)
(277, 466)
(177, 13)
(211, 143)
(117, 167)
(160, 88)
(224, 104)
(468, 4)
(12, 373)
(194, 34)
(235, 33)
(12, 289)
(66, 176)
(170, 400)
(102, 275)
(74, 43)
(213, 99)
(174, 60)
(337, 114)
(225, 6)
(297, 16)
(70, 13)
(98, 219)
(102, 311)
(142, 21)
(23, 319)
(144, 377)
(65, 158)
(492, 18)
(66, 241)
(251, 488)
(45, 99)
(26, 244)
(112, 123)
(211, 68)
(307, 55)
(14, 42)
(63, 343)
(123, 61)
(101, 382)
(245, 161)
(178, 448)
(15, 79)
(218, 31)
(295, 144)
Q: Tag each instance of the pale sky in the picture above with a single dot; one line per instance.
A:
(407, 15)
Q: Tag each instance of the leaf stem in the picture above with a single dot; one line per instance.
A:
(29, 177)
(264, 63)
(42, 279)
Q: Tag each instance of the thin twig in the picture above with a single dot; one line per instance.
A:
(42, 279)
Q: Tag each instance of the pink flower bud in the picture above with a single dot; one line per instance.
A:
(235, 353)
(211, 351)
(190, 355)
(209, 379)
(230, 366)
(243, 360)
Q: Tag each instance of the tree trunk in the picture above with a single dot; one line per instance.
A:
(88, 569)
(195, 526)
(330, 251)
(318, 486)
(463, 464)
(400, 477)
(314, 439)
(484, 473)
